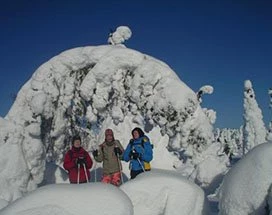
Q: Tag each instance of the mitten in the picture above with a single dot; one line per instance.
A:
(117, 151)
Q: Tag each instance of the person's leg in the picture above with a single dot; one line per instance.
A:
(134, 173)
(106, 179)
(116, 178)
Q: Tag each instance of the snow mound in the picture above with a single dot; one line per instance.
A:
(95, 198)
(165, 192)
(246, 186)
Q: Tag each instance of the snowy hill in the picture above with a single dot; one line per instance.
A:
(86, 90)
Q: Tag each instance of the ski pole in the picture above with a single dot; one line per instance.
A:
(78, 170)
(120, 169)
(85, 170)
(95, 173)
(141, 164)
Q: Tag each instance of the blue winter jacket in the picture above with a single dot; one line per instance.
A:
(141, 145)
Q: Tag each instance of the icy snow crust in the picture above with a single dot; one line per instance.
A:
(87, 90)
(247, 184)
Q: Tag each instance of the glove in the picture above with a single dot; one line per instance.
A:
(81, 161)
(134, 155)
(95, 153)
(117, 151)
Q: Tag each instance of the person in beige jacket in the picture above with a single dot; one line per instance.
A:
(110, 153)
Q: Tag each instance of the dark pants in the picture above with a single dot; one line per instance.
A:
(134, 173)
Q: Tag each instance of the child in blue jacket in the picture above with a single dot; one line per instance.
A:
(139, 152)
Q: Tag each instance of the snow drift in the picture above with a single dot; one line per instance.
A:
(246, 186)
(165, 192)
(67, 199)
(156, 192)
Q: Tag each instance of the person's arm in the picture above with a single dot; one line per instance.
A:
(148, 151)
(99, 157)
(68, 162)
(126, 154)
(89, 162)
(118, 149)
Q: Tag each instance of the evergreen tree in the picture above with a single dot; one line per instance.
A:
(254, 130)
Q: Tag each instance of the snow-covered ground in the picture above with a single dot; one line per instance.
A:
(67, 199)
(156, 192)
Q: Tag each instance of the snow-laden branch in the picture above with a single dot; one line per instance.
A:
(206, 89)
(121, 34)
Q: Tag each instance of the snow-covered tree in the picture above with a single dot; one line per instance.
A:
(254, 129)
(230, 140)
(86, 90)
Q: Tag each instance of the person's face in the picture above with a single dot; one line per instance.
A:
(136, 134)
(77, 143)
(109, 138)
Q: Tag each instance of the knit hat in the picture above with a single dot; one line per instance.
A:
(109, 132)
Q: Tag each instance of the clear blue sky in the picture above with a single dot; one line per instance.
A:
(220, 43)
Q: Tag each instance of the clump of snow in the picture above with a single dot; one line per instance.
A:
(15, 177)
(247, 184)
(54, 174)
(95, 198)
(207, 89)
(208, 168)
(121, 34)
(165, 192)
(3, 203)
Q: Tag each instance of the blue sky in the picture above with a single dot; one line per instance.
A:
(220, 43)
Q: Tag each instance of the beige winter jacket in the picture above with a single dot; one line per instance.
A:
(107, 156)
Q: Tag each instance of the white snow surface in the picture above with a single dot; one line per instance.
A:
(72, 199)
(246, 186)
(165, 192)
(156, 192)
